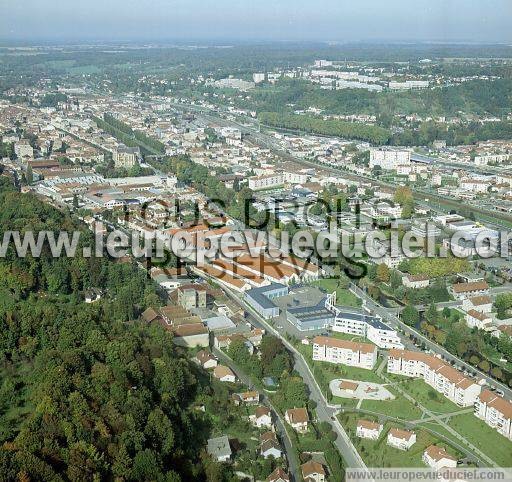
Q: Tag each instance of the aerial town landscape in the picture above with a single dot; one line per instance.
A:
(274, 262)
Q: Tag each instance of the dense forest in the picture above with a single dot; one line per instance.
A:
(351, 130)
(87, 392)
(477, 96)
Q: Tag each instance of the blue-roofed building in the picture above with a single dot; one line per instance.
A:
(309, 318)
(261, 299)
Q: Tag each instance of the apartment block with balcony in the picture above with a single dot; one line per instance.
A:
(495, 411)
(343, 352)
(441, 376)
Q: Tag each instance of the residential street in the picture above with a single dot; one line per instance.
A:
(398, 324)
(283, 434)
(325, 412)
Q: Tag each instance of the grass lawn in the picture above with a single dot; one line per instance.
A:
(344, 402)
(236, 428)
(490, 442)
(355, 373)
(343, 296)
(346, 336)
(378, 454)
(399, 408)
(437, 428)
(428, 397)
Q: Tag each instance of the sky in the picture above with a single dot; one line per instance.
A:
(294, 20)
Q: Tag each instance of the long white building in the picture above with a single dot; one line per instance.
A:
(266, 181)
(343, 352)
(409, 85)
(361, 323)
(495, 412)
(442, 377)
(389, 158)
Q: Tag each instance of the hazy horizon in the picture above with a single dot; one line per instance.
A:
(438, 21)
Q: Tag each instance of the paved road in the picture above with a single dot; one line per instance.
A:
(475, 451)
(398, 324)
(325, 412)
(293, 463)
(495, 290)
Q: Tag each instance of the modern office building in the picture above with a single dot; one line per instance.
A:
(359, 322)
(310, 318)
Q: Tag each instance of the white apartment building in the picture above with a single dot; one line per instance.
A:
(23, 149)
(479, 320)
(266, 181)
(390, 261)
(258, 77)
(407, 169)
(494, 158)
(483, 304)
(437, 458)
(495, 412)
(343, 352)
(409, 85)
(323, 63)
(368, 429)
(386, 211)
(460, 291)
(442, 377)
(504, 179)
(359, 322)
(425, 229)
(474, 185)
(295, 177)
(389, 158)
(401, 439)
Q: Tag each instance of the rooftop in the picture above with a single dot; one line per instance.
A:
(219, 447)
(344, 344)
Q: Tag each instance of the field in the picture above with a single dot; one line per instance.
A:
(346, 336)
(343, 296)
(428, 397)
(378, 454)
(490, 442)
(399, 408)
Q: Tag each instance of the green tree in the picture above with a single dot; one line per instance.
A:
(383, 273)
(29, 176)
(410, 315)
(431, 314)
